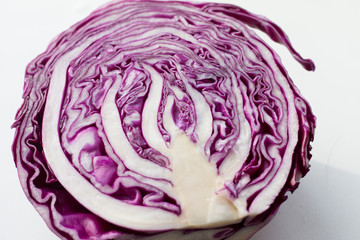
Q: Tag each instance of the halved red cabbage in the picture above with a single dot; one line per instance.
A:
(162, 120)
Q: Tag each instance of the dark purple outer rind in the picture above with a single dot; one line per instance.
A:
(51, 199)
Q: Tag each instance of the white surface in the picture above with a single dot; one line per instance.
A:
(325, 205)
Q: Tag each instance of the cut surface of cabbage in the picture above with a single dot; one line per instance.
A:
(153, 116)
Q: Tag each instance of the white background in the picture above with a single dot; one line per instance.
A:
(326, 204)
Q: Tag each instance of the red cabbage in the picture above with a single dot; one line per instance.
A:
(162, 120)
